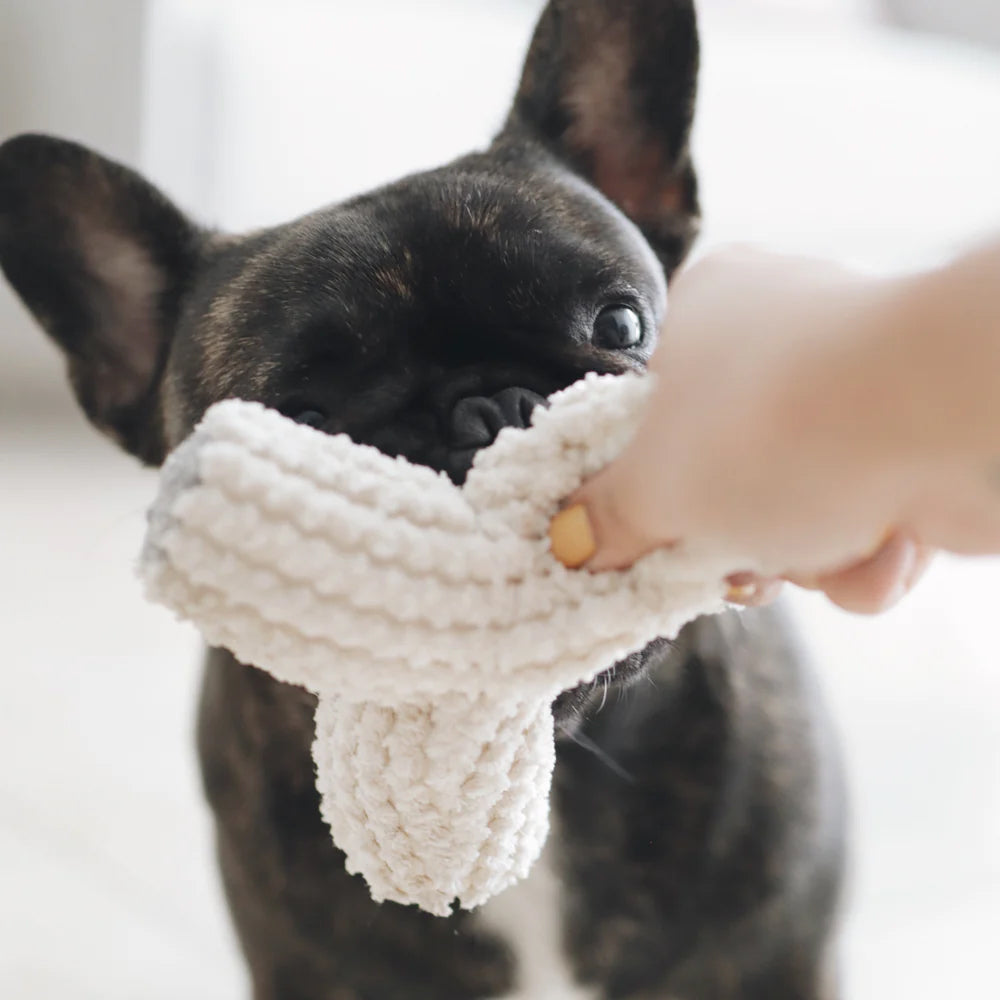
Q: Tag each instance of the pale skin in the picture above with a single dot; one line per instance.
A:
(832, 427)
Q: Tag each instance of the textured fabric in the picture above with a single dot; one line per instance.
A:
(432, 621)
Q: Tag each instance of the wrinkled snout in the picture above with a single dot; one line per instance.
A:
(476, 421)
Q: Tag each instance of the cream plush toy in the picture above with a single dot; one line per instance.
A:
(431, 621)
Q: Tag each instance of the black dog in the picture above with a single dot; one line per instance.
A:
(697, 841)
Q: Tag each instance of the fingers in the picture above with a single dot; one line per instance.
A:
(877, 583)
(602, 526)
(579, 536)
(868, 587)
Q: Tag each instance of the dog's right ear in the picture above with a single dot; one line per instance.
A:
(101, 258)
(609, 88)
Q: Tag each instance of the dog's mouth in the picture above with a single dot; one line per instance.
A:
(575, 706)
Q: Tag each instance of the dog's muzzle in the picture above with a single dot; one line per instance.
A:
(476, 421)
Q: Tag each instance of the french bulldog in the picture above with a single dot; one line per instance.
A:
(697, 843)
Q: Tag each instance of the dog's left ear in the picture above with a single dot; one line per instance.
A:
(609, 86)
(101, 258)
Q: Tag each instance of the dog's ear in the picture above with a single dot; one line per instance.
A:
(101, 258)
(609, 86)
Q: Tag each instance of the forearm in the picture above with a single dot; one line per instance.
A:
(952, 381)
(908, 369)
(896, 400)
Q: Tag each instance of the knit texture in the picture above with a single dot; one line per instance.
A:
(431, 621)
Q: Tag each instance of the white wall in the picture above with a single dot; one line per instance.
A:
(74, 68)
(975, 20)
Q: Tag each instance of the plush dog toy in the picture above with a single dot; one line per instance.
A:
(431, 621)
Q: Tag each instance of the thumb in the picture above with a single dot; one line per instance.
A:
(597, 530)
(600, 526)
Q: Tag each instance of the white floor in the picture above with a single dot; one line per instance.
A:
(108, 887)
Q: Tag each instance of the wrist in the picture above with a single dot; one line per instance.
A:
(954, 317)
(842, 419)
(875, 378)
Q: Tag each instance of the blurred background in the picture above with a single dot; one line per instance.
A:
(862, 129)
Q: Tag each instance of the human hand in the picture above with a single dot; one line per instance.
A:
(771, 454)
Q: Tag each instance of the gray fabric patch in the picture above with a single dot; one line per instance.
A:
(180, 473)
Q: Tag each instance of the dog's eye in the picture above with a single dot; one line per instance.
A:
(617, 328)
(311, 418)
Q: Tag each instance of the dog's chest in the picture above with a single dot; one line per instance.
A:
(527, 918)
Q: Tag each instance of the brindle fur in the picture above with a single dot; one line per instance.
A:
(697, 806)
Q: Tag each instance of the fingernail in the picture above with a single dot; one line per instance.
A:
(741, 593)
(571, 536)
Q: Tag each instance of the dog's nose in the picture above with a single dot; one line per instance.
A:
(477, 420)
